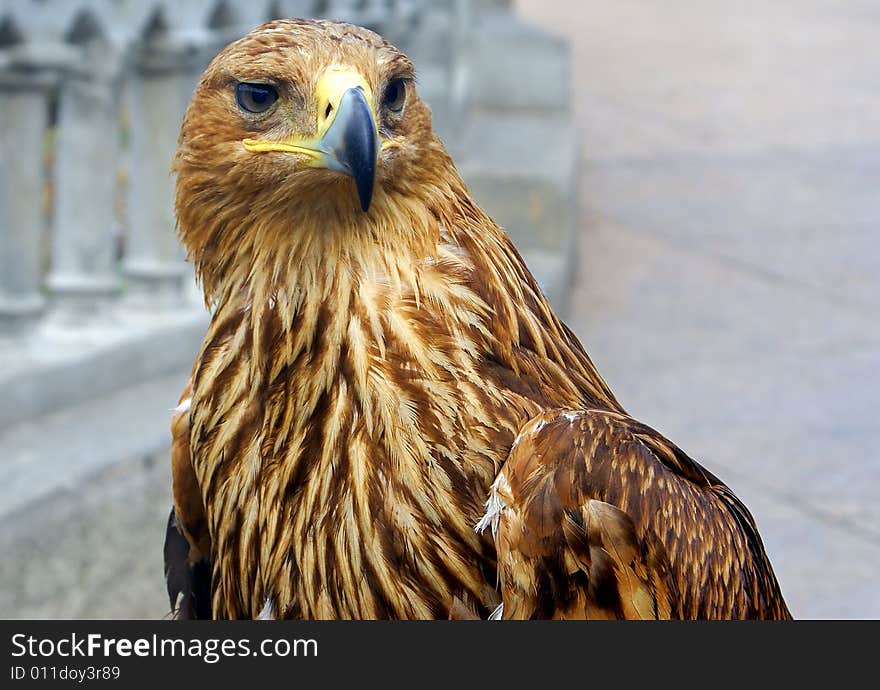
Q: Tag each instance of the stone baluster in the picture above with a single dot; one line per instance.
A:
(405, 12)
(83, 272)
(343, 10)
(29, 74)
(376, 15)
(286, 9)
(423, 32)
(163, 77)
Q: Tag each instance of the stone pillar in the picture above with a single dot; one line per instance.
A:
(405, 14)
(428, 40)
(162, 83)
(25, 82)
(343, 10)
(377, 15)
(287, 9)
(83, 271)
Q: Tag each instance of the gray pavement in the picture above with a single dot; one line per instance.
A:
(729, 277)
(94, 551)
(84, 499)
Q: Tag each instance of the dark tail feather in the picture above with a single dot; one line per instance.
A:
(189, 584)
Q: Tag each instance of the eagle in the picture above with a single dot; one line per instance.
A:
(386, 418)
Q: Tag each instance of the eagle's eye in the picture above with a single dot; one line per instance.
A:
(394, 97)
(255, 98)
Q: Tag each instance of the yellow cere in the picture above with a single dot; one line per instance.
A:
(331, 87)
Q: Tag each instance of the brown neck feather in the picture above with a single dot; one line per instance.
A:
(368, 366)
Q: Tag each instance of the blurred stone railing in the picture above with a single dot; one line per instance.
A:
(94, 292)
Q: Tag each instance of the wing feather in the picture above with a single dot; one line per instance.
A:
(596, 515)
(187, 541)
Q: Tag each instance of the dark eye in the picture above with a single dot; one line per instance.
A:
(255, 98)
(395, 95)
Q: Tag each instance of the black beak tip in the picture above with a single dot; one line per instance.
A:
(365, 191)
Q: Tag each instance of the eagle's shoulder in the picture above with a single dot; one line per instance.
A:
(598, 515)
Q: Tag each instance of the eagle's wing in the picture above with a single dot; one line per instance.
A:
(187, 541)
(595, 515)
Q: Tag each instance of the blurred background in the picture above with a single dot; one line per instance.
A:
(694, 183)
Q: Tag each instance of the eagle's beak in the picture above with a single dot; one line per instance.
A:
(347, 140)
(351, 143)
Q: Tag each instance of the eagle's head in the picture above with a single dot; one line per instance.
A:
(304, 128)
